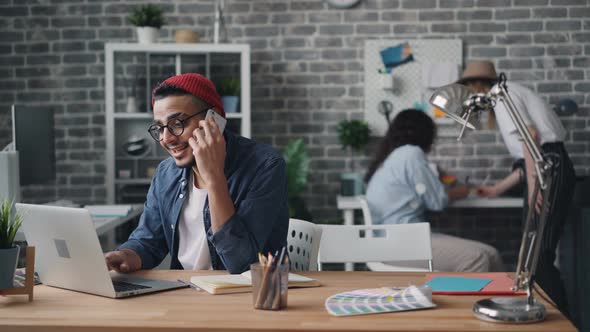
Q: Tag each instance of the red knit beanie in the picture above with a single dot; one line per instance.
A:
(198, 86)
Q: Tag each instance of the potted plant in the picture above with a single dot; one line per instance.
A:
(354, 136)
(229, 90)
(297, 161)
(9, 224)
(148, 19)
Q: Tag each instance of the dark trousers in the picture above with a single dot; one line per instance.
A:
(564, 180)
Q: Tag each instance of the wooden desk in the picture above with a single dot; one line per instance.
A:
(187, 309)
(350, 203)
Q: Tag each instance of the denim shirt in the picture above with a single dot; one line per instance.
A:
(257, 181)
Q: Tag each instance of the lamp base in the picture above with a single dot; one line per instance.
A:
(509, 310)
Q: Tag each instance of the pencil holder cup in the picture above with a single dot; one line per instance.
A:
(269, 286)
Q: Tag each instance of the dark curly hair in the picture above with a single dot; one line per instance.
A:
(410, 126)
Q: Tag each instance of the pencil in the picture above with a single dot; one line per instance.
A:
(276, 278)
(261, 259)
(284, 295)
(271, 282)
(485, 181)
(260, 299)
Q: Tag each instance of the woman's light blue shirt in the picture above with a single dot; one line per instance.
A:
(404, 187)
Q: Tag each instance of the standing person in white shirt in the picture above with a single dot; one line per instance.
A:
(546, 128)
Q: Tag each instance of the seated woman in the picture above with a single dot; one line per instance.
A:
(401, 187)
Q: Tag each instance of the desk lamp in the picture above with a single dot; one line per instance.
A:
(459, 103)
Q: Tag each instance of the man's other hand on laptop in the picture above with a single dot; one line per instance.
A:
(124, 260)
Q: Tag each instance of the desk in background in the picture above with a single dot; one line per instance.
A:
(348, 204)
(105, 227)
(189, 310)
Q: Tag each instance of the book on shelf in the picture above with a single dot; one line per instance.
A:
(242, 283)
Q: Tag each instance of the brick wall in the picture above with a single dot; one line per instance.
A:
(307, 73)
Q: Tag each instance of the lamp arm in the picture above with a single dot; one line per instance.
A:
(532, 236)
(499, 91)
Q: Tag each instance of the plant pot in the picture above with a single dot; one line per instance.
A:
(131, 106)
(147, 35)
(186, 36)
(8, 259)
(351, 184)
(230, 103)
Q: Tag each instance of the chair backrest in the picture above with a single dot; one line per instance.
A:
(375, 243)
(366, 212)
(421, 239)
(303, 243)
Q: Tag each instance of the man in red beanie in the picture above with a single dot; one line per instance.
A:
(218, 201)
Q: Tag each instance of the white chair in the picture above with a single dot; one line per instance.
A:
(303, 242)
(357, 244)
(420, 239)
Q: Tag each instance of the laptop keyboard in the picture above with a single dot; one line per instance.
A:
(121, 286)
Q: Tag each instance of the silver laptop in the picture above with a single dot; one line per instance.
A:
(69, 256)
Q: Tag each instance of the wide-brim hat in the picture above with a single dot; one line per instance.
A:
(479, 70)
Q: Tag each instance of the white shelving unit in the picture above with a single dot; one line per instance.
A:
(120, 126)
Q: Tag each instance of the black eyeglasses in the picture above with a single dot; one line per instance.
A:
(175, 127)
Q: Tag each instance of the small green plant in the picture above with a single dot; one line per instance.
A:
(297, 161)
(353, 134)
(147, 16)
(229, 87)
(9, 224)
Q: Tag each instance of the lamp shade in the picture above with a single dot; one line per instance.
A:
(450, 99)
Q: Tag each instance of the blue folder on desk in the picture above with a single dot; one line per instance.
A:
(491, 283)
(457, 284)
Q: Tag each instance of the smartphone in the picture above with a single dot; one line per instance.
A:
(221, 121)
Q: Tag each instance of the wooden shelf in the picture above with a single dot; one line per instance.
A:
(173, 48)
(133, 116)
(134, 181)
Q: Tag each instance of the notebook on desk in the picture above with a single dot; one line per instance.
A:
(242, 283)
(493, 283)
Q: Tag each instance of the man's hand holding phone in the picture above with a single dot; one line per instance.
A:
(208, 146)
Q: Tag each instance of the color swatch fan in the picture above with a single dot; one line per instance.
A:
(379, 300)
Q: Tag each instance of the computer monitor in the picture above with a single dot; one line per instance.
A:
(33, 138)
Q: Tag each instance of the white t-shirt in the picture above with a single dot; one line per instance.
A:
(534, 111)
(193, 249)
